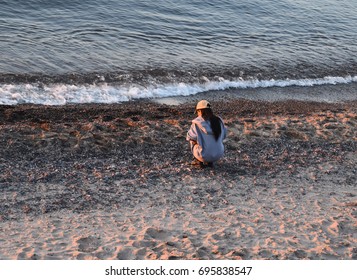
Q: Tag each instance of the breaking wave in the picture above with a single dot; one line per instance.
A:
(114, 92)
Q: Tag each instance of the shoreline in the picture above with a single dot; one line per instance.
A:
(337, 92)
(97, 181)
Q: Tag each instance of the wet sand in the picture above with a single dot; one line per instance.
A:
(115, 182)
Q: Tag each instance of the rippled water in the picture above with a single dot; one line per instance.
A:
(182, 41)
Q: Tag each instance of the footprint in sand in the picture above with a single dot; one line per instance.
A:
(27, 253)
(152, 233)
(126, 253)
(88, 244)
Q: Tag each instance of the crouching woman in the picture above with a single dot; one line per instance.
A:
(206, 135)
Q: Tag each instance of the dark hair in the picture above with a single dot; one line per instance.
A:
(215, 121)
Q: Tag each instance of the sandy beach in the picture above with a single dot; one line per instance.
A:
(115, 182)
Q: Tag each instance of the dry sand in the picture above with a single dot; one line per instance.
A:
(115, 182)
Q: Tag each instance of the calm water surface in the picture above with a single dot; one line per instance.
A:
(170, 42)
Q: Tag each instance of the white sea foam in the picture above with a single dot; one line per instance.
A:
(60, 94)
